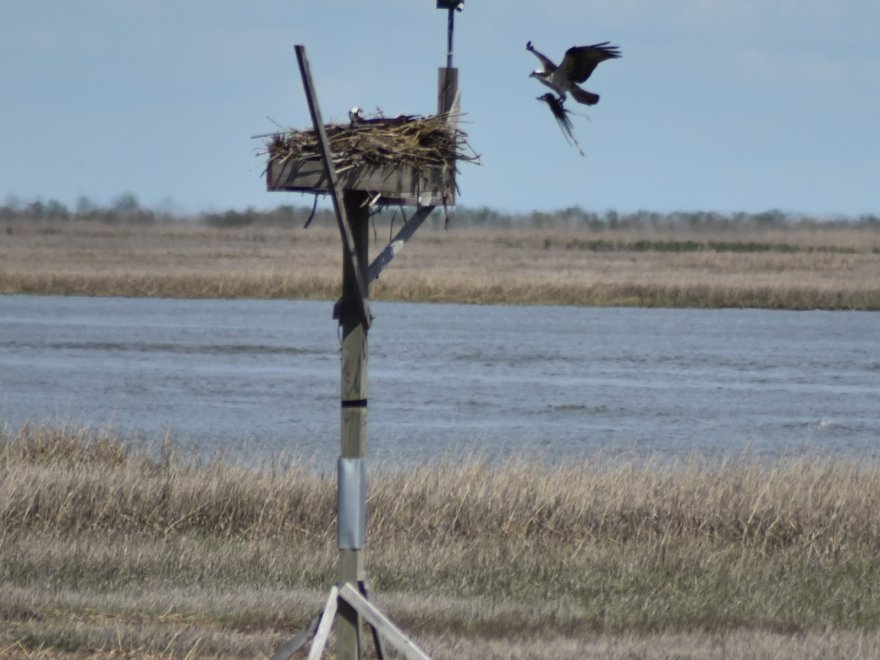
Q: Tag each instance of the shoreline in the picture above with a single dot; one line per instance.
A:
(420, 291)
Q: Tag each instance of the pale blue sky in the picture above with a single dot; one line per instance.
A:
(722, 105)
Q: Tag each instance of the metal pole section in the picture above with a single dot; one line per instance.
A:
(353, 426)
(450, 25)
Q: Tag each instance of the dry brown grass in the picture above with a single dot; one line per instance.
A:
(112, 551)
(796, 268)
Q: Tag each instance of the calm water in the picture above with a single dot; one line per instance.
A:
(258, 377)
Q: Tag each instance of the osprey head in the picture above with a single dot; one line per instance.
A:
(538, 73)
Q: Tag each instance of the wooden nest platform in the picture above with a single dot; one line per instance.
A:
(400, 160)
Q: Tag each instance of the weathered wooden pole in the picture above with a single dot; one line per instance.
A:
(353, 428)
(349, 600)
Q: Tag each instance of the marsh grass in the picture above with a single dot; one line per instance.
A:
(796, 268)
(107, 549)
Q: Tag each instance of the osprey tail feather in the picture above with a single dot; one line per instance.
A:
(583, 96)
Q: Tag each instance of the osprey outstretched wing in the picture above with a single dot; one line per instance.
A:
(577, 65)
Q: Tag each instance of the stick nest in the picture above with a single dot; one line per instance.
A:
(420, 142)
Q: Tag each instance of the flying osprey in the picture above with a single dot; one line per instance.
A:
(562, 118)
(577, 65)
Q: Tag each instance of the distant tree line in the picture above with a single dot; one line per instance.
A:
(126, 209)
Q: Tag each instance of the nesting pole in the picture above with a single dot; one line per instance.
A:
(351, 497)
(352, 195)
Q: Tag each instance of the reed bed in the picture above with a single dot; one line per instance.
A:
(109, 549)
(798, 268)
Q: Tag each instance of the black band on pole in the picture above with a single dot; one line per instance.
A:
(355, 403)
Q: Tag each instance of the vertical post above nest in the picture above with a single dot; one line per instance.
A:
(447, 77)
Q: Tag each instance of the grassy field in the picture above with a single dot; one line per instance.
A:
(109, 551)
(828, 267)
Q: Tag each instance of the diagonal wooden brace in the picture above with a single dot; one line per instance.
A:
(334, 188)
(394, 246)
(382, 624)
